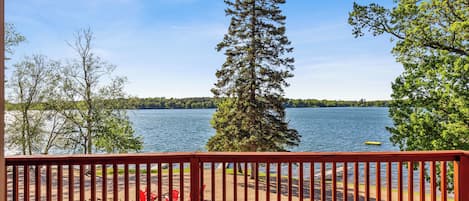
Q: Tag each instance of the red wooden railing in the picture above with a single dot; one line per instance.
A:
(205, 176)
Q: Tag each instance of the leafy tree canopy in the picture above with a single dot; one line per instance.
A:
(12, 38)
(431, 97)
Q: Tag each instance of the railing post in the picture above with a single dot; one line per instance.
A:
(3, 183)
(461, 178)
(195, 178)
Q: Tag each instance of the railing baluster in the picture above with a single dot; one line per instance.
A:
(224, 181)
(93, 182)
(82, 182)
(356, 185)
(15, 183)
(410, 181)
(71, 183)
(104, 181)
(256, 169)
(432, 181)
(389, 181)
(311, 181)
(334, 181)
(267, 181)
(245, 181)
(378, 181)
(323, 181)
(59, 183)
(235, 182)
(137, 182)
(181, 180)
(367, 181)
(422, 180)
(160, 181)
(115, 182)
(126, 182)
(290, 184)
(399, 181)
(26, 182)
(48, 183)
(37, 192)
(345, 180)
(443, 180)
(170, 178)
(279, 181)
(148, 180)
(212, 182)
(300, 185)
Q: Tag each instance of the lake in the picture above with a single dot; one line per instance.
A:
(322, 129)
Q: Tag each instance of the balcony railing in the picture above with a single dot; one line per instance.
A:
(217, 176)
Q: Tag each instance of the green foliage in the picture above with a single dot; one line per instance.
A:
(168, 103)
(12, 38)
(116, 134)
(298, 103)
(92, 107)
(32, 81)
(223, 120)
(431, 97)
(253, 78)
(206, 102)
(419, 28)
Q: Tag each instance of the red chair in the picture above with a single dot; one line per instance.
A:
(175, 195)
(143, 195)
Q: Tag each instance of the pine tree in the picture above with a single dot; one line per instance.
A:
(251, 82)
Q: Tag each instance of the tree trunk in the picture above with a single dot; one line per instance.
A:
(253, 171)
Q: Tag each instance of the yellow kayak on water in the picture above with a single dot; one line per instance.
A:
(372, 143)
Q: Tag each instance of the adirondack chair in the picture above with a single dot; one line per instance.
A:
(143, 195)
(175, 196)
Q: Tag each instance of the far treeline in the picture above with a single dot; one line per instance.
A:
(208, 102)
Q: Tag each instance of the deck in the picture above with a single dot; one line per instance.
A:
(211, 176)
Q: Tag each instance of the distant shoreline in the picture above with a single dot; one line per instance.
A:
(285, 107)
(211, 103)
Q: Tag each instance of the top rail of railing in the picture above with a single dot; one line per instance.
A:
(453, 155)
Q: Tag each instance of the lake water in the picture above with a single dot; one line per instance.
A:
(322, 129)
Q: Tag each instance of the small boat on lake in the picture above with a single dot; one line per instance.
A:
(372, 143)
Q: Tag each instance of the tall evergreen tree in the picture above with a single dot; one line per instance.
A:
(251, 82)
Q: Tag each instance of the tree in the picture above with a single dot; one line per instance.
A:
(32, 82)
(12, 38)
(90, 105)
(431, 97)
(252, 80)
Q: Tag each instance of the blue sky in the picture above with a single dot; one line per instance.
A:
(166, 48)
